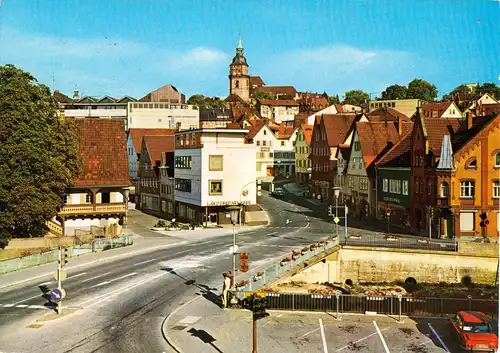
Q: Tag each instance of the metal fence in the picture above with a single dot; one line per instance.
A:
(278, 269)
(402, 243)
(32, 260)
(389, 305)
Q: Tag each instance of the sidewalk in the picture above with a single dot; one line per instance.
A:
(140, 245)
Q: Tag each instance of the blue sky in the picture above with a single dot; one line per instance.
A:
(118, 47)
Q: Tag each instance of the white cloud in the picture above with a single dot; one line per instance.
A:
(337, 68)
(108, 65)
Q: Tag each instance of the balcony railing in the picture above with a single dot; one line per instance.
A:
(93, 209)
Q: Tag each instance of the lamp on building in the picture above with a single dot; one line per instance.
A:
(234, 212)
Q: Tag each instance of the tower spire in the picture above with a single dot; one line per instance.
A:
(240, 43)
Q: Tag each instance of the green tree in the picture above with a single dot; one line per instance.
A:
(331, 99)
(38, 155)
(202, 101)
(490, 88)
(463, 89)
(260, 95)
(356, 97)
(421, 89)
(395, 92)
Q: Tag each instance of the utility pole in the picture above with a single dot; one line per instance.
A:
(345, 224)
(59, 278)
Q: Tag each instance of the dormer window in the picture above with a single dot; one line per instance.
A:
(471, 163)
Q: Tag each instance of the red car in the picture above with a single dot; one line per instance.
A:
(474, 331)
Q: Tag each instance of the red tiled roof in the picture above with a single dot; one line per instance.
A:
(340, 108)
(336, 127)
(386, 113)
(307, 130)
(256, 80)
(435, 129)
(374, 137)
(138, 134)
(290, 90)
(279, 102)
(440, 108)
(156, 144)
(254, 130)
(102, 146)
(285, 131)
(397, 151)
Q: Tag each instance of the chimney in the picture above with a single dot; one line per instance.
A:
(469, 120)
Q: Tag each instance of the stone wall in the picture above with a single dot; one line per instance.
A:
(477, 249)
(46, 242)
(367, 265)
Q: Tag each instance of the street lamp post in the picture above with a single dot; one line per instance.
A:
(336, 192)
(234, 212)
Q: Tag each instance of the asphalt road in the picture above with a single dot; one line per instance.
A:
(124, 302)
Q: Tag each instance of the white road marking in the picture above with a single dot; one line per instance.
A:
(360, 340)
(37, 307)
(78, 275)
(91, 278)
(25, 300)
(44, 283)
(438, 338)
(145, 262)
(381, 337)
(189, 320)
(114, 280)
(22, 306)
(8, 305)
(325, 349)
(107, 296)
(308, 333)
(272, 233)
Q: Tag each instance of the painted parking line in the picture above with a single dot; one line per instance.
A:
(362, 339)
(381, 337)
(114, 280)
(325, 348)
(438, 338)
(77, 275)
(308, 333)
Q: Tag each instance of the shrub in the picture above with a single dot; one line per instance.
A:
(241, 283)
(160, 224)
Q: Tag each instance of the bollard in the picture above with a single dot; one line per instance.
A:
(400, 299)
(337, 295)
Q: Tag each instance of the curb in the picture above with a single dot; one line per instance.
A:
(93, 262)
(165, 323)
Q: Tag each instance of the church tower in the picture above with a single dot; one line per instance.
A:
(239, 80)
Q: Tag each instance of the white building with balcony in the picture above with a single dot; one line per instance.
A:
(274, 151)
(214, 169)
(160, 115)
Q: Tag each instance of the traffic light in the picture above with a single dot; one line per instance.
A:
(243, 262)
(259, 305)
(484, 219)
(65, 256)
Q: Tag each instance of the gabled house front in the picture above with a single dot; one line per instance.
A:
(302, 150)
(426, 140)
(370, 140)
(328, 133)
(468, 180)
(98, 198)
(156, 157)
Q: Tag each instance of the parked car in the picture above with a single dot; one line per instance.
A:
(474, 331)
(278, 192)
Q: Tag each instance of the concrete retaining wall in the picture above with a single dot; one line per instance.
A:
(47, 242)
(477, 249)
(367, 265)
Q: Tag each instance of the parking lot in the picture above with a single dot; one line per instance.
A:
(358, 333)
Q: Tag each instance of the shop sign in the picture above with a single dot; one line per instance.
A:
(392, 199)
(228, 203)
